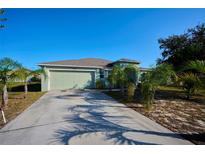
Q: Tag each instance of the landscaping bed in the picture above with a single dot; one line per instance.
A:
(173, 111)
(17, 104)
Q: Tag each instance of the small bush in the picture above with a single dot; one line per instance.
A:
(130, 91)
(100, 84)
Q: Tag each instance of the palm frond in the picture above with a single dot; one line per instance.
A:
(22, 73)
(39, 71)
(190, 82)
(198, 65)
(7, 64)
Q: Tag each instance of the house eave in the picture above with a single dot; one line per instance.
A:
(74, 66)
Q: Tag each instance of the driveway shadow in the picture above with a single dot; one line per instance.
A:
(91, 118)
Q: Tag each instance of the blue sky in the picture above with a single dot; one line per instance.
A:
(39, 35)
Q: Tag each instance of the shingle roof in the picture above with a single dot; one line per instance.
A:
(87, 62)
(80, 62)
(127, 60)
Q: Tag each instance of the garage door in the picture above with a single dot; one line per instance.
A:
(71, 80)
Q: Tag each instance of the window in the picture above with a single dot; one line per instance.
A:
(101, 73)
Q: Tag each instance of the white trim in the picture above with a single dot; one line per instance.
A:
(108, 69)
(75, 70)
(48, 79)
(70, 66)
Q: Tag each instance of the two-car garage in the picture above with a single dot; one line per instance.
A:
(73, 74)
(71, 79)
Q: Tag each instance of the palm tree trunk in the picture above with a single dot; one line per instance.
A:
(26, 89)
(2, 112)
(5, 96)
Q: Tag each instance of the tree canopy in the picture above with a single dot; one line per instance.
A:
(178, 49)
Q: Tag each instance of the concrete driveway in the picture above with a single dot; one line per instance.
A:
(84, 117)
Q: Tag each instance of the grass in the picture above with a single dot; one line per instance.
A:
(173, 111)
(169, 92)
(17, 103)
(179, 89)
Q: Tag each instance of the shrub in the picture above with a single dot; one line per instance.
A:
(130, 91)
(100, 84)
(190, 83)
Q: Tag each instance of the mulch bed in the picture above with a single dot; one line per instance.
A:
(183, 117)
(186, 117)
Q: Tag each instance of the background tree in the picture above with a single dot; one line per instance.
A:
(178, 49)
(7, 67)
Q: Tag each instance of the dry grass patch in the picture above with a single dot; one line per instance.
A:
(17, 104)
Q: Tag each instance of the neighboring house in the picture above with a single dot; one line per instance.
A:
(78, 74)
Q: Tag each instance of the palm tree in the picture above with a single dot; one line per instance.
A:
(198, 65)
(151, 80)
(24, 74)
(148, 88)
(123, 76)
(118, 77)
(191, 83)
(7, 67)
(131, 72)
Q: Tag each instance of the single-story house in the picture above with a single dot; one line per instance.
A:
(79, 74)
